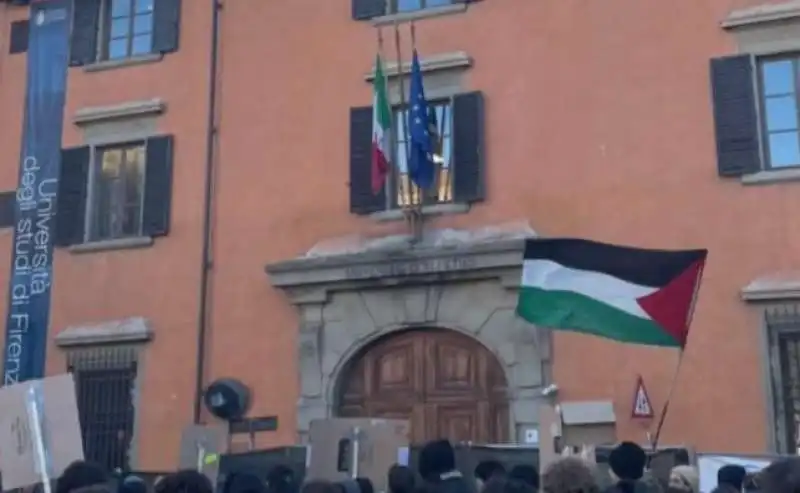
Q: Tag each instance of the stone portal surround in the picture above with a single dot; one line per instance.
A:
(346, 302)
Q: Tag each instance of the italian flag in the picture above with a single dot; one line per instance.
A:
(627, 294)
(381, 129)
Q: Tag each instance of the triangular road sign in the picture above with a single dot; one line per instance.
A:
(642, 407)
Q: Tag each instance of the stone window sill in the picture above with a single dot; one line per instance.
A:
(762, 14)
(772, 176)
(123, 62)
(428, 211)
(419, 14)
(117, 244)
(125, 331)
(131, 109)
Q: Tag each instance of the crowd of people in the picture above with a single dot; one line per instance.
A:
(436, 472)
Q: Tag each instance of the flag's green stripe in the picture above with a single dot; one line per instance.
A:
(384, 110)
(572, 311)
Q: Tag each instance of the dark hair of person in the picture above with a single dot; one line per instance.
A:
(319, 486)
(487, 469)
(185, 481)
(244, 482)
(783, 476)
(401, 479)
(500, 484)
(365, 485)
(525, 473)
(81, 474)
(132, 484)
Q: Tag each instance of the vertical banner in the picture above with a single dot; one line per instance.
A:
(32, 250)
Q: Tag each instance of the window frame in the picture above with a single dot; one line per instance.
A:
(104, 32)
(91, 206)
(394, 6)
(393, 183)
(764, 133)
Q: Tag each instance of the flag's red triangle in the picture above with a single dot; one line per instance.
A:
(671, 306)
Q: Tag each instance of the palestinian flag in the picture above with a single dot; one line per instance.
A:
(381, 129)
(622, 293)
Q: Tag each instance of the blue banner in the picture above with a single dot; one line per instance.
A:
(32, 250)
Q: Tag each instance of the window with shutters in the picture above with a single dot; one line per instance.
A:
(127, 28)
(779, 79)
(457, 125)
(404, 191)
(116, 30)
(116, 194)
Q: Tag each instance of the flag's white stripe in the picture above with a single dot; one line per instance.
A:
(380, 136)
(551, 276)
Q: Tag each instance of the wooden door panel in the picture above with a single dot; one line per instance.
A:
(414, 413)
(445, 384)
(499, 422)
(452, 367)
(456, 422)
(395, 371)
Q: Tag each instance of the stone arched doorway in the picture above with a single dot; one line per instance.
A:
(446, 384)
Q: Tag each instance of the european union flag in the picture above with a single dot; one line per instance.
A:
(420, 159)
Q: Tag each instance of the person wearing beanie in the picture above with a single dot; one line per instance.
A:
(627, 462)
(731, 477)
(437, 466)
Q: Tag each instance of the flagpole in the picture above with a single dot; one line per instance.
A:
(665, 409)
(417, 205)
(689, 317)
(409, 208)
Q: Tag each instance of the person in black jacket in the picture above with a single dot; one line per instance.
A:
(437, 466)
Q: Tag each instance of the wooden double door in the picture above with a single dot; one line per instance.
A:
(446, 384)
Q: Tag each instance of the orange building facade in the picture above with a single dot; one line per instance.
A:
(604, 120)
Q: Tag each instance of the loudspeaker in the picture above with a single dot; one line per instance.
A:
(227, 399)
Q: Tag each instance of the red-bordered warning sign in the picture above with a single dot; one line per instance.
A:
(642, 406)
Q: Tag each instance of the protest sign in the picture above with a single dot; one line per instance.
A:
(375, 444)
(40, 433)
(201, 447)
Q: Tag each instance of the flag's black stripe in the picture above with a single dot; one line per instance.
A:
(654, 268)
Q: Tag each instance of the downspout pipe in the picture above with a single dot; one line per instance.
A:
(206, 263)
